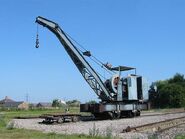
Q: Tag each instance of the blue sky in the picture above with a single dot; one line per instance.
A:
(146, 34)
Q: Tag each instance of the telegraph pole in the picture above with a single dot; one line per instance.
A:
(27, 97)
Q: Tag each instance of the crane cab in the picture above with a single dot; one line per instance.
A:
(130, 88)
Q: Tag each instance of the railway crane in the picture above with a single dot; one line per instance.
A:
(119, 96)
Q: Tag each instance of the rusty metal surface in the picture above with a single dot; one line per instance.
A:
(60, 114)
(158, 126)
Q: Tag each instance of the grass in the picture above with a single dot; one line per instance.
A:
(180, 137)
(10, 114)
(12, 133)
(31, 134)
(163, 110)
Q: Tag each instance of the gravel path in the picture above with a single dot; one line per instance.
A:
(104, 127)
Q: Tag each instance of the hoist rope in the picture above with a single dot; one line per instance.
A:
(96, 60)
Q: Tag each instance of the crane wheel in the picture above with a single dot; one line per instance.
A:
(60, 120)
(75, 119)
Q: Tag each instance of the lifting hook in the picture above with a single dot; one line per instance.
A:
(37, 39)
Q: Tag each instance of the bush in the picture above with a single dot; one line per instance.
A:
(170, 94)
(10, 125)
(73, 103)
(91, 102)
(2, 121)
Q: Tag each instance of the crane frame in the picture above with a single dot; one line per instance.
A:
(109, 107)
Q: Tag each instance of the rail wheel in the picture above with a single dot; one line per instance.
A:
(60, 120)
(75, 119)
(131, 114)
(138, 113)
(114, 115)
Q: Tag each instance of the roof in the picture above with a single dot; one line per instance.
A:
(33, 104)
(122, 68)
(44, 104)
(12, 104)
(7, 99)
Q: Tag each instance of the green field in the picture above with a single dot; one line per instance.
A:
(30, 134)
(7, 132)
(9, 114)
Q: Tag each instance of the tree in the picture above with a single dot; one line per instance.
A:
(91, 102)
(56, 103)
(153, 94)
(177, 78)
(170, 94)
(73, 103)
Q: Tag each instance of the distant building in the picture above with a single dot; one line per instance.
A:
(16, 105)
(46, 105)
(62, 102)
(5, 100)
(32, 105)
(9, 104)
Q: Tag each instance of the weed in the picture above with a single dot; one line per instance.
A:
(94, 131)
(10, 125)
(108, 132)
(2, 121)
(153, 136)
(180, 136)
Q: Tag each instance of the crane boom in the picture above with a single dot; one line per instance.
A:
(83, 66)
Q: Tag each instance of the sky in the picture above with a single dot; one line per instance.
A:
(146, 34)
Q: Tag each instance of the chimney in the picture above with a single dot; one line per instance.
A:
(6, 97)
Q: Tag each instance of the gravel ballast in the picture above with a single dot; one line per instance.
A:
(104, 127)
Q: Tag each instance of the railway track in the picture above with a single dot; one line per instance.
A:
(157, 126)
(158, 114)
